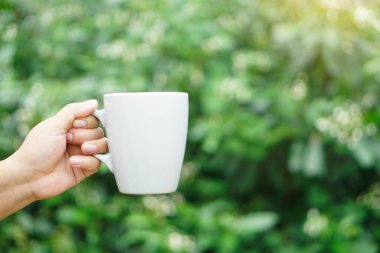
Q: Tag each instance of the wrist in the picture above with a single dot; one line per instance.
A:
(15, 193)
(20, 176)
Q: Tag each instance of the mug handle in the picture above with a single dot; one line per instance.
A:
(106, 158)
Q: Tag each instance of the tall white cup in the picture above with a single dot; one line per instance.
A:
(146, 134)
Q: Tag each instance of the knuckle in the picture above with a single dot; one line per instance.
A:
(69, 107)
(67, 110)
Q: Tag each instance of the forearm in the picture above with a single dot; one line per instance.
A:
(14, 192)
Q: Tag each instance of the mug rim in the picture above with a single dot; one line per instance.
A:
(148, 93)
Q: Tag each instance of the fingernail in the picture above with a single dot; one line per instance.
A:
(75, 160)
(89, 148)
(69, 137)
(79, 123)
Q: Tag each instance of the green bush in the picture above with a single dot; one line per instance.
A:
(283, 149)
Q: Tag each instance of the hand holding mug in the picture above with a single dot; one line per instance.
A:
(52, 158)
(147, 137)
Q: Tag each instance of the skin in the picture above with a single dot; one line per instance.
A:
(55, 156)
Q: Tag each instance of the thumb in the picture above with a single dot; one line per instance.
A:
(66, 116)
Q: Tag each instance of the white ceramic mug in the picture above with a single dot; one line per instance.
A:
(146, 134)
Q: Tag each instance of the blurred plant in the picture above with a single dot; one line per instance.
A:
(283, 149)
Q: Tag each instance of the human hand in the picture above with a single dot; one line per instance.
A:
(56, 154)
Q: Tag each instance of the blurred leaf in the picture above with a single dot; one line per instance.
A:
(6, 5)
(73, 216)
(314, 163)
(365, 246)
(39, 225)
(365, 153)
(296, 157)
(253, 223)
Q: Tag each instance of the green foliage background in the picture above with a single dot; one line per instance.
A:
(283, 149)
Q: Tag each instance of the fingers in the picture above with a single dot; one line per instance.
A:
(88, 122)
(87, 163)
(65, 117)
(85, 138)
(89, 148)
(78, 136)
(95, 146)
(80, 156)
